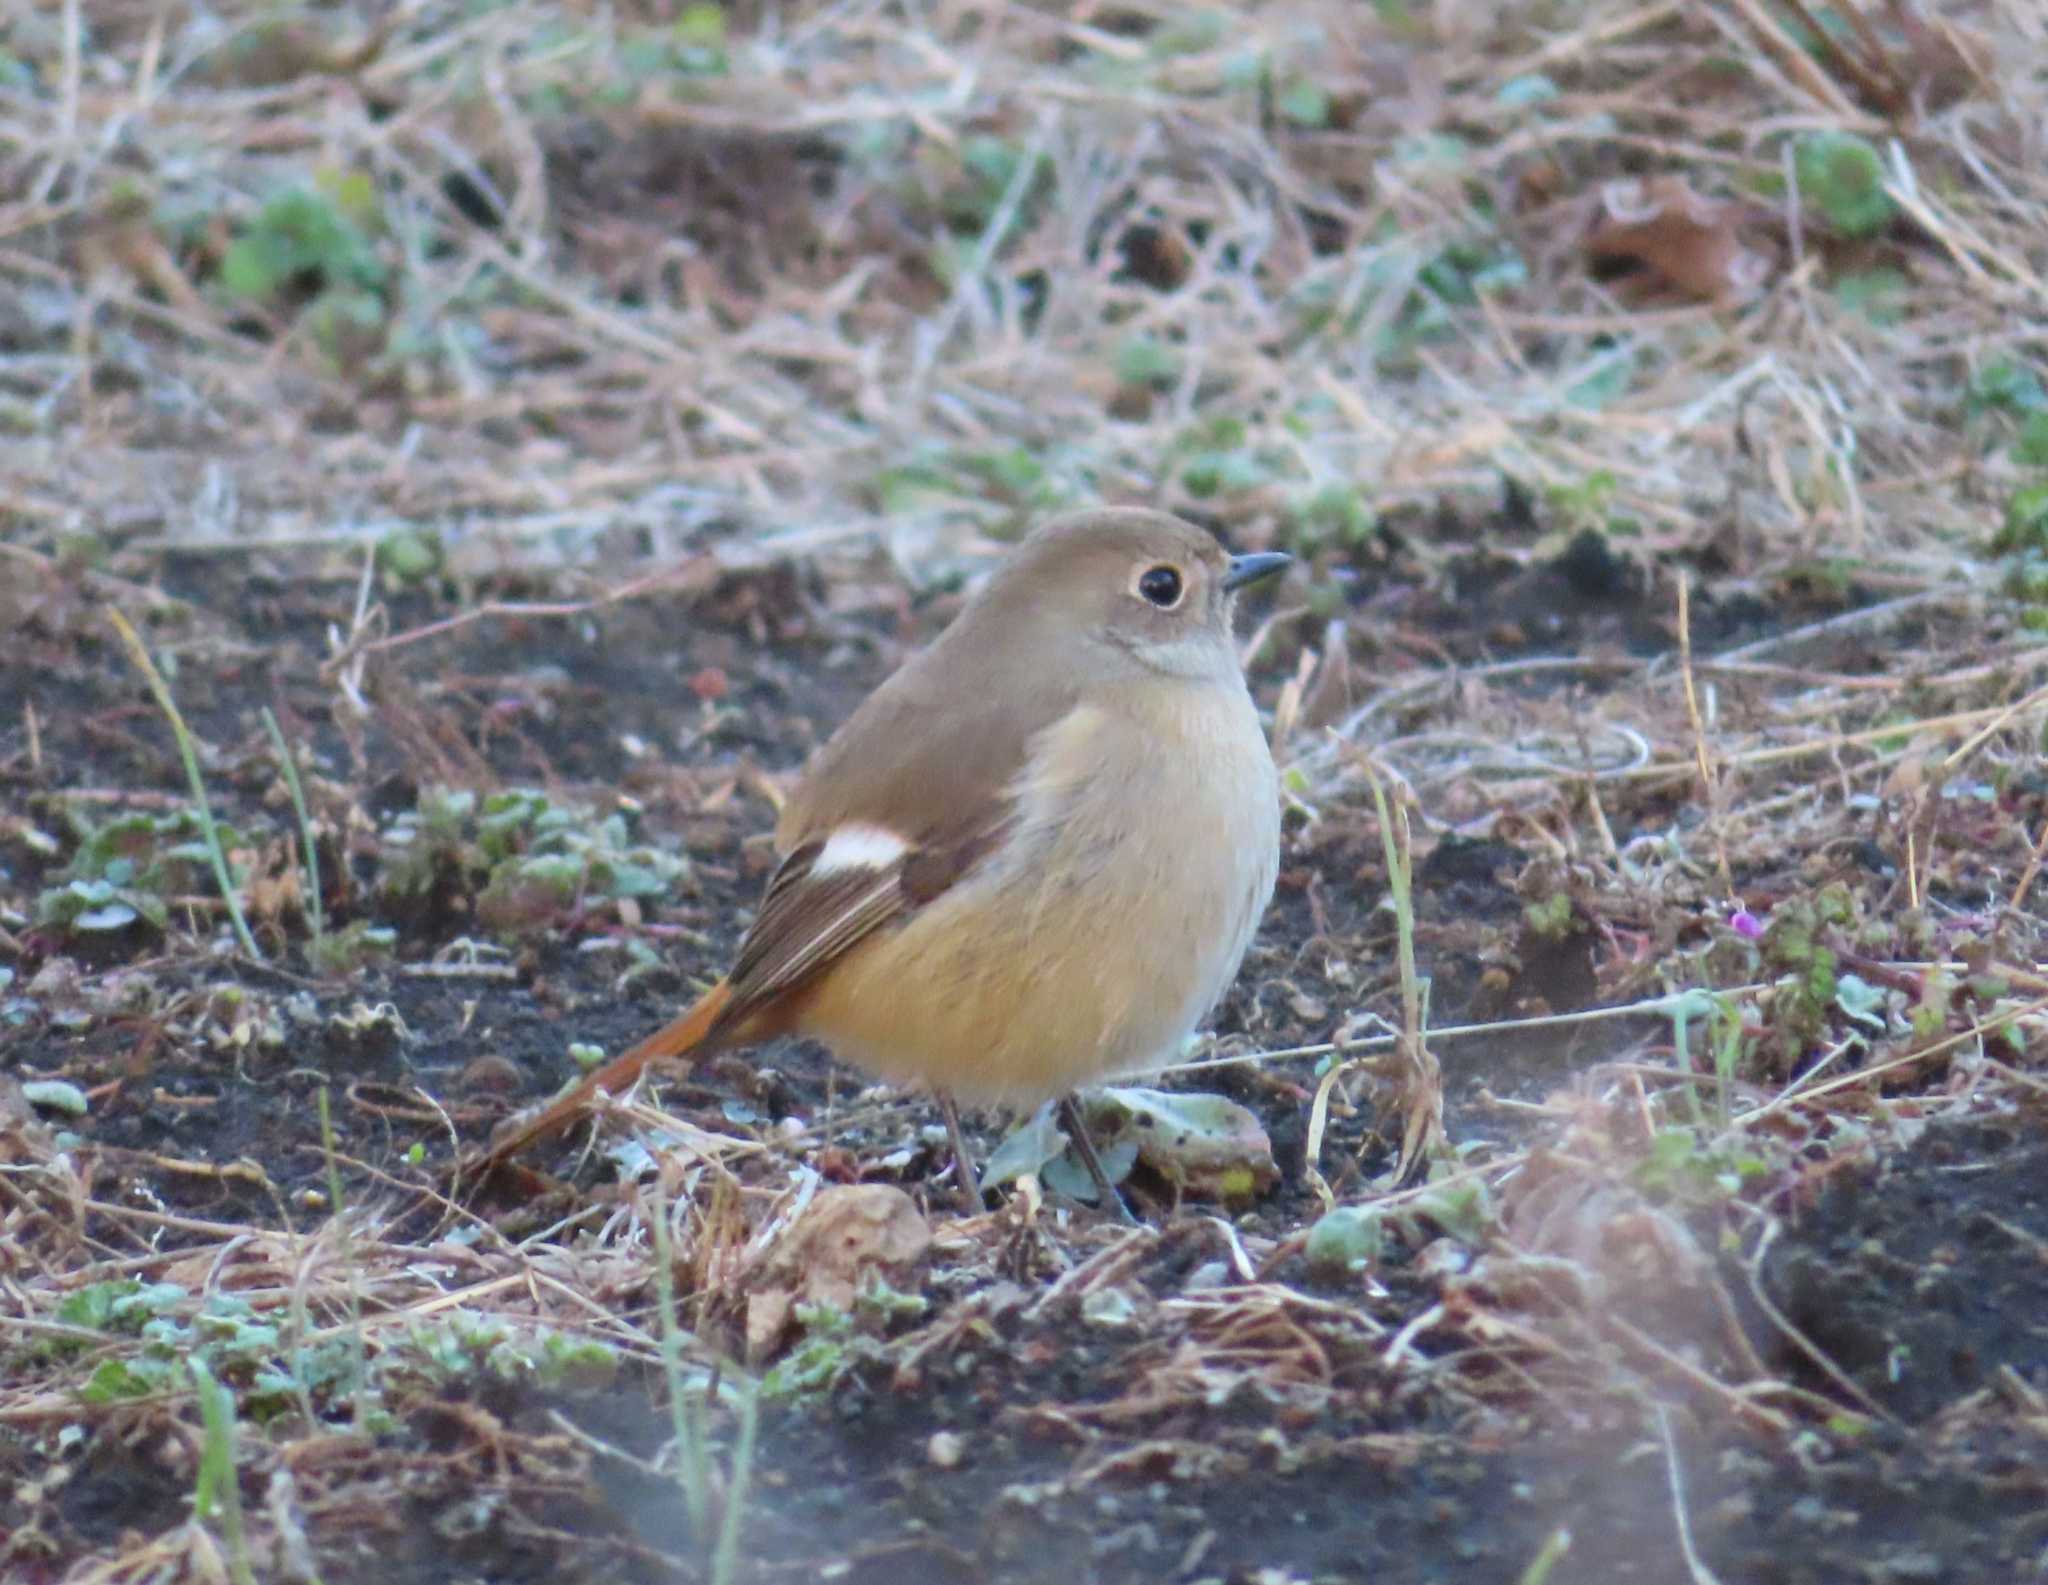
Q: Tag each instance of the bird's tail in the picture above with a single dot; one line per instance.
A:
(680, 1037)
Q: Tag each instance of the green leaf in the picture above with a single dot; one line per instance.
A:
(115, 1379)
(1225, 473)
(353, 193)
(1860, 1000)
(1344, 1241)
(253, 268)
(1422, 154)
(57, 1095)
(637, 880)
(2031, 448)
(411, 555)
(93, 1306)
(1027, 1149)
(1607, 384)
(701, 27)
(2004, 384)
(1189, 33)
(302, 232)
(1878, 295)
(1066, 1174)
(1461, 1209)
(1303, 104)
(1146, 360)
(914, 487)
(2026, 521)
(1336, 513)
(1529, 89)
(113, 916)
(1843, 177)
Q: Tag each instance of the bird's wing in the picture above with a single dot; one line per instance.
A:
(911, 793)
(833, 892)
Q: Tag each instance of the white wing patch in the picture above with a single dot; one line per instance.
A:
(858, 847)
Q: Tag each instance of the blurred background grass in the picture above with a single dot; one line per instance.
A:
(538, 289)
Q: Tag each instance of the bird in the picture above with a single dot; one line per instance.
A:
(1031, 860)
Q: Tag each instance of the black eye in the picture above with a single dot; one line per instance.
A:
(1160, 585)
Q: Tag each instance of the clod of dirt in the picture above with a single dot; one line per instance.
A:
(1926, 1279)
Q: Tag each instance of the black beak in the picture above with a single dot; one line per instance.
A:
(1250, 569)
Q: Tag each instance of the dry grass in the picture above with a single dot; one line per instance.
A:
(587, 303)
(745, 303)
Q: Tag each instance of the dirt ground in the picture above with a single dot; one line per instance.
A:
(1202, 1426)
(515, 435)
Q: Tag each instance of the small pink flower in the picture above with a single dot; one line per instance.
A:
(1745, 924)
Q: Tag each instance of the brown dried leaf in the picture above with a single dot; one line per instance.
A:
(1694, 242)
(849, 1232)
(767, 1319)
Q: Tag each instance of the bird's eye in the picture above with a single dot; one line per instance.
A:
(1161, 586)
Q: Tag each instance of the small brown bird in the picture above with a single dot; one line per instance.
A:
(1033, 858)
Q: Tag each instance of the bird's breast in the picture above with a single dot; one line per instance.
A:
(1101, 930)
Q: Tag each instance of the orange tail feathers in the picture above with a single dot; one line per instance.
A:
(678, 1038)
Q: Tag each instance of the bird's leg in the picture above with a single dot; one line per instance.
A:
(1084, 1147)
(967, 1184)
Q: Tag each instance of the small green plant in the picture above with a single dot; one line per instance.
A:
(126, 869)
(1727, 1033)
(465, 1345)
(690, 1412)
(1549, 918)
(526, 862)
(1345, 1241)
(989, 168)
(2023, 541)
(2006, 386)
(698, 38)
(693, 46)
(410, 556)
(1433, 285)
(351, 949)
(309, 849)
(217, 1494)
(169, 1328)
(1879, 295)
(829, 1348)
(1584, 503)
(122, 1306)
(1302, 103)
(2022, 536)
(1795, 945)
(1148, 360)
(210, 829)
(306, 241)
(1841, 177)
(953, 479)
(1217, 457)
(1334, 515)
(2030, 445)
(1685, 1167)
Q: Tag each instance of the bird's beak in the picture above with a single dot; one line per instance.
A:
(1250, 569)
